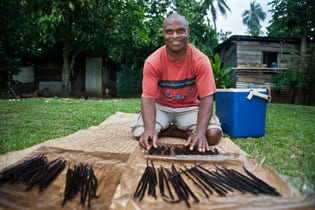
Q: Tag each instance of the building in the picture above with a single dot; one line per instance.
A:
(92, 77)
(256, 59)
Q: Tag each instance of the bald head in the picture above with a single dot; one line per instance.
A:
(176, 16)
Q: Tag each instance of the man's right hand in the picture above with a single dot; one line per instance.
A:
(146, 136)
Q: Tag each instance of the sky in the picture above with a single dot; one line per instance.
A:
(234, 21)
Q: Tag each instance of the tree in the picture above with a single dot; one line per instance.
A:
(81, 25)
(201, 34)
(298, 76)
(223, 36)
(252, 18)
(136, 35)
(127, 31)
(69, 24)
(295, 19)
(221, 5)
(11, 35)
(15, 42)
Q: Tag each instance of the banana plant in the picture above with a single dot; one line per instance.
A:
(222, 75)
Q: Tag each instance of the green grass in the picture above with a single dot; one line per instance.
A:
(289, 141)
(288, 145)
(27, 122)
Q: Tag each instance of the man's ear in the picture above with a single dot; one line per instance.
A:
(188, 30)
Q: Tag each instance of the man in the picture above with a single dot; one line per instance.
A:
(177, 92)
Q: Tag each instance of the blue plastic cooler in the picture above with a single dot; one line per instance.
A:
(242, 112)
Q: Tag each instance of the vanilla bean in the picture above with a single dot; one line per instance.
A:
(144, 183)
(178, 182)
(262, 184)
(184, 171)
(185, 186)
(140, 185)
(217, 178)
(93, 182)
(167, 184)
(51, 174)
(248, 182)
(178, 190)
(70, 189)
(211, 182)
(15, 173)
(161, 182)
(81, 179)
(201, 181)
(195, 182)
(237, 182)
(152, 181)
(36, 168)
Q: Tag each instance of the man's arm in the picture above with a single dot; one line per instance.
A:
(148, 112)
(198, 138)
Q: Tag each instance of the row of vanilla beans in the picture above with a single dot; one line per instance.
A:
(179, 150)
(80, 180)
(174, 189)
(38, 171)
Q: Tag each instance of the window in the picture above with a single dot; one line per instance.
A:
(270, 59)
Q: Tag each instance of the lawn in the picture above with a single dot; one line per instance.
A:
(288, 145)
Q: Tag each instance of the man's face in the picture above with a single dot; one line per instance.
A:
(175, 34)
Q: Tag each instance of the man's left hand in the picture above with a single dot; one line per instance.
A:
(199, 140)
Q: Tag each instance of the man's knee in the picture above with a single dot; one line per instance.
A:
(213, 136)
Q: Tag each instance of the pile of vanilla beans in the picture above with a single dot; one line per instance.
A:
(38, 171)
(179, 150)
(221, 181)
(80, 179)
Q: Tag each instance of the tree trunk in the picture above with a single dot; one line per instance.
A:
(300, 92)
(303, 44)
(66, 71)
(292, 95)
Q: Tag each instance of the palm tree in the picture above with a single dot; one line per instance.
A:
(252, 18)
(221, 4)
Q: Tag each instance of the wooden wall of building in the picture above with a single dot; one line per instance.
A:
(229, 57)
(251, 53)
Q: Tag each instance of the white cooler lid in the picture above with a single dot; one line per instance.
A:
(241, 89)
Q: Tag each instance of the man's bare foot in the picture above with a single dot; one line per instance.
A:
(172, 131)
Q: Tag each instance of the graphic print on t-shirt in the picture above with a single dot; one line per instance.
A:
(177, 89)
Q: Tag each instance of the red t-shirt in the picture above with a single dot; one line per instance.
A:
(177, 84)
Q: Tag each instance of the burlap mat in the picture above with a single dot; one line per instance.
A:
(107, 147)
(107, 167)
(290, 198)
